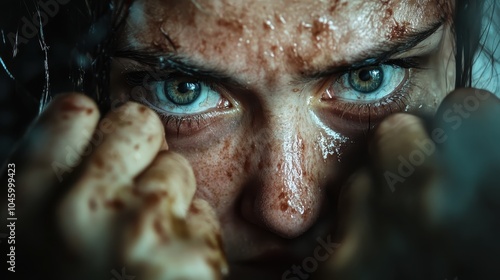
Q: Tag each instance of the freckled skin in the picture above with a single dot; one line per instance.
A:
(264, 167)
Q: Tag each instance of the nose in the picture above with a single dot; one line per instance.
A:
(285, 195)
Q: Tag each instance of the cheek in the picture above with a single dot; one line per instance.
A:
(220, 170)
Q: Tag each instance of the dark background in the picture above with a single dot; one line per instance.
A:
(64, 23)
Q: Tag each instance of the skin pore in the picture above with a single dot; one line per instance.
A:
(271, 145)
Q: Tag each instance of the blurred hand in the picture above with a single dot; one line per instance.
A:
(95, 199)
(428, 205)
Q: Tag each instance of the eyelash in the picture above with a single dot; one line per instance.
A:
(396, 101)
(399, 98)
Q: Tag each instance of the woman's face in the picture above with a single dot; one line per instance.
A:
(271, 101)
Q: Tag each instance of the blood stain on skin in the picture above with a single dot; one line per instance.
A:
(334, 6)
(284, 206)
(274, 50)
(234, 25)
(99, 162)
(142, 109)
(398, 30)
(295, 59)
(89, 111)
(246, 165)
(227, 142)
(158, 227)
(283, 202)
(320, 28)
(150, 138)
(155, 198)
(68, 105)
(115, 204)
(388, 13)
(194, 210)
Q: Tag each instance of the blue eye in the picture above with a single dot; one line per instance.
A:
(369, 84)
(366, 80)
(184, 96)
(182, 92)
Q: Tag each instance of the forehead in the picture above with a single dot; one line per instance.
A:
(289, 36)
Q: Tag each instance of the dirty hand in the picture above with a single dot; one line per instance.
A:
(107, 200)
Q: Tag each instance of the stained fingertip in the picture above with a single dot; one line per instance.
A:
(169, 174)
(72, 103)
(125, 145)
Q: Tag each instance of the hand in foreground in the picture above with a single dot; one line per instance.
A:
(428, 206)
(117, 202)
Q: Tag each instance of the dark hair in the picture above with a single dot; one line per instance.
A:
(83, 35)
(471, 33)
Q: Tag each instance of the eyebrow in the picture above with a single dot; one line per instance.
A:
(381, 53)
(176, 62)
(173, 61)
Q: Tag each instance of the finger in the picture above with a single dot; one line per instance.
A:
(131, 141)
(172, 246)
(54, 145)
(469, 125)
(162, 246)
(132, 138)
(403, 153)
(203, 223)
(358, 239)
(170, 181)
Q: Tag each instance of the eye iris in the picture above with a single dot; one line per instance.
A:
(366, 80)
(182, 93)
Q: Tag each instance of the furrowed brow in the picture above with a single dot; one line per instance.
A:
(382, 53)
(174, 62)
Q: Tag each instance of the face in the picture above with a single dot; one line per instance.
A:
(272, 103)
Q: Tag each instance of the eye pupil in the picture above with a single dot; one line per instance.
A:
(365, 75)
(182, 93)
(366, 80)
(187, 87)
